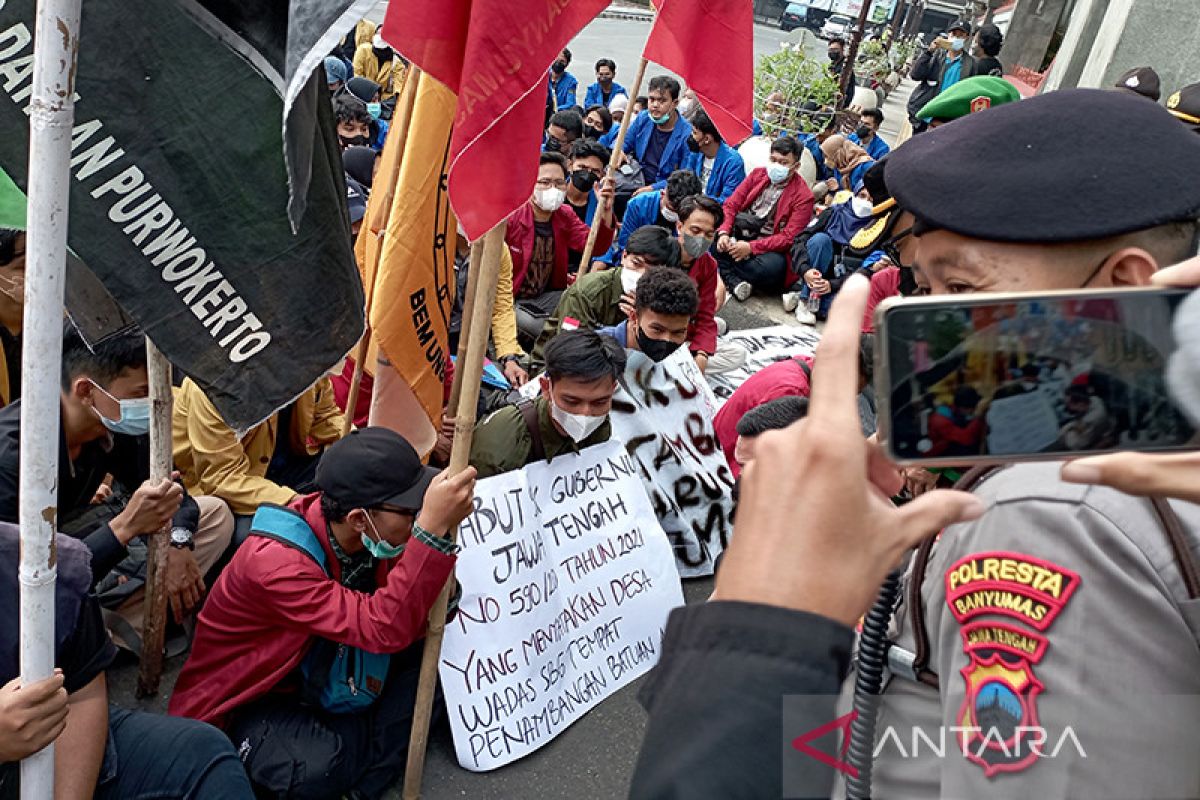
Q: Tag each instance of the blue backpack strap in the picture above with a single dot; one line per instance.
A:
(288, 526)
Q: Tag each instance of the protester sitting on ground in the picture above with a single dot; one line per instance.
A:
(360, 164)
(563, 85)
(12, 312)
(376, 61)
(271, 463)
(791, 377)
(369, 93)
(105, 422)
(848, 161)
(778, 203)
(719, 167)
(357, 564)
(699, 219)
(540, 236)
(605, 90)
(617, 108)
(589, 159)
(969, 97)
(355, 125)
(665, 301)
(101, 751)
(658, 137)
(570, 414)
(336, 73)
(605, 297)
(817, 255)
(659, 207)
(988, 44)
(773, 415)
(866, 135)
(564, 128)
(597, 121)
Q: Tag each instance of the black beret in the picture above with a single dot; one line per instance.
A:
(1053, 168)
(1184, 105)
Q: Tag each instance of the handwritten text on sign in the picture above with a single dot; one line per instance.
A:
(567, 582)
(764, 346)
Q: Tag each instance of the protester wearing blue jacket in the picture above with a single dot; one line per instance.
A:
(602, 92)
(658, 137)
(726, 169)
(866, 135)
(563, 86)
(654, 208)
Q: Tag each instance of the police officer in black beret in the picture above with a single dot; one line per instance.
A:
(1184, 105)
(1052, 644)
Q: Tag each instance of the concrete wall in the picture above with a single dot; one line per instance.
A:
(1030, 32)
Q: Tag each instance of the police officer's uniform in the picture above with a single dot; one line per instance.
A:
(1056, 637)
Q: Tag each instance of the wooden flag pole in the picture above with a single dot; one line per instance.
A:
(470, 368)
(464, 333)
(154, 615)
(585, 262)
(407, 100)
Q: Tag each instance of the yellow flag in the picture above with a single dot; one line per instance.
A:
(413, 279)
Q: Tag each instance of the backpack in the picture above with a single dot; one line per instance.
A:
(337, 677)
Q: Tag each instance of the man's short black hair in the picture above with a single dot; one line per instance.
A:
(332, 510)
(551, 157)
(348, 108)
(110, 358)
(607, 62)
(774, 415)
(991, 40)
(566, 54)
(584, 355)
(665, 83)
(837, 41)
(569, 121)
(605, 116)
(654, 244)
(703, 123)
(681, 184)
(700, 202)
(786, 146)
(875, 114)
(666, 291)
(590, 148)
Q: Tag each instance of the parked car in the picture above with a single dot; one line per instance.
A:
(836, 27)
(796, 15)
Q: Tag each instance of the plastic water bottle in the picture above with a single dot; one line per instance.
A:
(814, 302)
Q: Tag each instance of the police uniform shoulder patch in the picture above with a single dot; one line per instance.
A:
(1001, 687)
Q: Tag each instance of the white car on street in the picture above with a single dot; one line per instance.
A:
(836, 27)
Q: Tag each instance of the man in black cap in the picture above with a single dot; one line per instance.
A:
(1184, 105)
(1057, 629)
(308, 648)
(943, 64)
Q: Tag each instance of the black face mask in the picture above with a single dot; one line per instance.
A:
(592, 133)
(354, 141)
(583, 180)
(552, 145)
(863, 132)
(655, 349)
(693, 145)
(835, 56)
(558, 68)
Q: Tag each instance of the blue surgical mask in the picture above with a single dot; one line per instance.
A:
(957, 44)
(374, 109)
(135, 415)
(378, 547)
(778, 173)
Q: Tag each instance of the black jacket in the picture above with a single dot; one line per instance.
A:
(718, 723)
(928, 70)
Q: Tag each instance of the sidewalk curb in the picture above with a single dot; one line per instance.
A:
(634, 14)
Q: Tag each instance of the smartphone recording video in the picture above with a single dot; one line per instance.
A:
(998, 378)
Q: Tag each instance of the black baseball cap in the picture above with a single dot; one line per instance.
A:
(373, 467)
(960, 25)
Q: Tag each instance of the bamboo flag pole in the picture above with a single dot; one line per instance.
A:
(408, 98)
(51, 117)
(585, 262)
(154, 615)
(464, 333)
(470, 367)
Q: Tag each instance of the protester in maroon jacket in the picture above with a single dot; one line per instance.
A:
(775, 205)
(540, 236)
(380, 521)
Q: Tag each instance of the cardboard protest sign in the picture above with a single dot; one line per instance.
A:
(663, 413)
(567, 583)
(764, 346)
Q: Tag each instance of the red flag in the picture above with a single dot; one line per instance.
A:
(710, 44)
(494, 54)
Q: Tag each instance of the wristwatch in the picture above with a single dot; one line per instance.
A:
(510, 357)
(183, 539)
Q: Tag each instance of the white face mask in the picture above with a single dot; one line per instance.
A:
(778, 173)
(629, 280)
(860, 207)
(577, 426)
(669, 215)
(549, 199)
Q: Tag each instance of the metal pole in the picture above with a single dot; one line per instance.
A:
(894, 30)
(471, 369)
(52, 114)
(585, 261)
(154, 615)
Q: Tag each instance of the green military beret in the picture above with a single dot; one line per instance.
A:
(968, 96)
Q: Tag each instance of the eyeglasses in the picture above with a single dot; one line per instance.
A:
(891, 247)
(550, 183)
